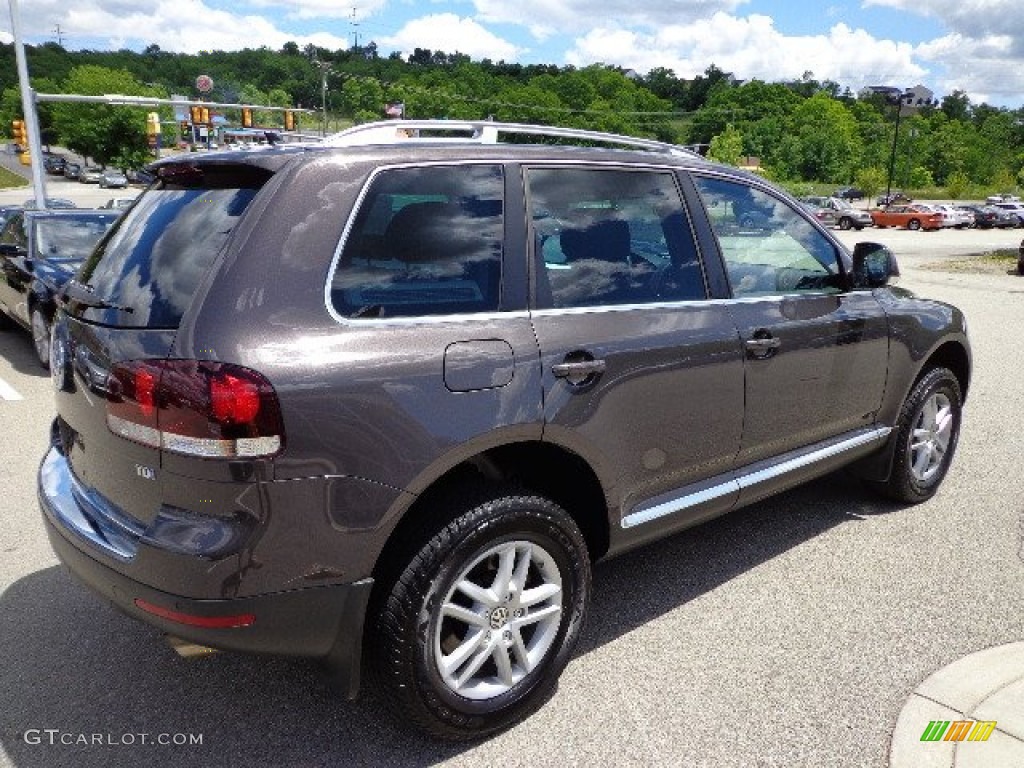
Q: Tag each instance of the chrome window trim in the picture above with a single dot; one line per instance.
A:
(751, 479)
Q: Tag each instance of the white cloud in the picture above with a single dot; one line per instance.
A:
(750, 48)
(451, 34)
(572, 16)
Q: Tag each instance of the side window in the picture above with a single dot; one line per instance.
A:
(768, 247)
(425, 241)
(13, 232)
(608, 237)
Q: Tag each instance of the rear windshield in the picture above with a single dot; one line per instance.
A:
(149, 268)
(70, 237)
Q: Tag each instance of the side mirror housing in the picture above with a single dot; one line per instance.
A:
(873, 265)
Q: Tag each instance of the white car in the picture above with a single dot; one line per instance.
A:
(949, 217)
(1003, 198)
(960, 218)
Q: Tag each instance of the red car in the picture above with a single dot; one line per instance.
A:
(913, 216)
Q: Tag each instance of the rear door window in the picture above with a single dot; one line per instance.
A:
(150, 266)
(425, 241)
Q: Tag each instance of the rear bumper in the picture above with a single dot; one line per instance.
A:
(324, 622)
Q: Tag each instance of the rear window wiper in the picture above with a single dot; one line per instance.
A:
(83, 294)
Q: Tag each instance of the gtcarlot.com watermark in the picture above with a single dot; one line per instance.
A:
(53, 737)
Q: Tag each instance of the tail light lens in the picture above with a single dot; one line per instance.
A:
(195, 407)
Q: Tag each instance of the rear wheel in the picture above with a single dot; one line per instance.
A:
(474, 632)
(914, 224)
(926, 437)
(845, 223)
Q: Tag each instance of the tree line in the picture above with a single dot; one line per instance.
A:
(805, 130)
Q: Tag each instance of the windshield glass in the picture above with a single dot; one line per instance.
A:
(70, 237)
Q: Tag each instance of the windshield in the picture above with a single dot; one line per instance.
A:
(70, 237)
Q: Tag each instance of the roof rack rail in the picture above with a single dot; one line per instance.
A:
(482, 132)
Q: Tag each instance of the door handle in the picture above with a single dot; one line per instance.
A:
(578, 372)
(763, 345)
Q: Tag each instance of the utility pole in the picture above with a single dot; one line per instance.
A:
(355, 29)
(28, 108)
(325, 70)
(60, 40)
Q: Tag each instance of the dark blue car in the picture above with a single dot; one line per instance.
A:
(39, 252)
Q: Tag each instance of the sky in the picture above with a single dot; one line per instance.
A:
(975, 46)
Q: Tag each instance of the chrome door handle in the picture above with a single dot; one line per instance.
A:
(762, 346)
(578, 372)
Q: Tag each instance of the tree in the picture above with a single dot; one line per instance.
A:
(101, 131)
(727, 147)
(871, 180)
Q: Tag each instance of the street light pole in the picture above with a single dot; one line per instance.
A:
(892, 154)
(325, 70)
(28, 108)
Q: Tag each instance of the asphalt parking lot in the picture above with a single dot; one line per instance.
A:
(786, 634)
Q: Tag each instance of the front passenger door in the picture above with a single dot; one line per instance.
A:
(815, 352)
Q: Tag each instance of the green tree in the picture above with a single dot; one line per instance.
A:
(727, 147)
(957, 185)
(101, 131)
(871, 180)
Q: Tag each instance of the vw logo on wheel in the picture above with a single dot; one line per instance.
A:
(499, 616)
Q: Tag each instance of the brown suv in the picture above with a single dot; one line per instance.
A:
(396, 392)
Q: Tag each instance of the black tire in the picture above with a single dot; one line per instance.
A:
(914, 224)
(39, 326)
(923, 454)
(845, 223)
(533, 639)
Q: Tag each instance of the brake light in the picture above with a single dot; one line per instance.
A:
(195, 408)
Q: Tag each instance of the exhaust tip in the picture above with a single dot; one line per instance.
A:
(186, 649)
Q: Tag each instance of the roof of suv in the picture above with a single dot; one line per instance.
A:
(398, 141)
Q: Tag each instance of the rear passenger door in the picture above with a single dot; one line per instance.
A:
(816, 352)
(642, 375)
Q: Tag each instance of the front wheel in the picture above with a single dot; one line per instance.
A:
(472, 635)
(845, 223)
(926, 437)
(40, 336)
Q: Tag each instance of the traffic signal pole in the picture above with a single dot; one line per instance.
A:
(28, 108)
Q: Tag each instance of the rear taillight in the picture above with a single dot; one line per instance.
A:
(195, 407)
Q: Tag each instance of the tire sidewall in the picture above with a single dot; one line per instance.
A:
(938, 380)
(441, 560)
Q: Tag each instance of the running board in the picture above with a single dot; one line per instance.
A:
(757, 474)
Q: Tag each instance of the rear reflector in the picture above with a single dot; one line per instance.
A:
(194, 407)
(208, 622)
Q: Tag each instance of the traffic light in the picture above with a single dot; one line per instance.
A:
(289, 120)
(247, 118)
(19, 133)
(186, 131)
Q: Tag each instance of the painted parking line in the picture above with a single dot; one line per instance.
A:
(7, 392)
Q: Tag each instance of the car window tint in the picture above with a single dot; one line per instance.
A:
(607, 237)
(158, 252)
(768, 247)
(425, 241)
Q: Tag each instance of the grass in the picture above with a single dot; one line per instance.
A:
(10, 180)
(998, 262)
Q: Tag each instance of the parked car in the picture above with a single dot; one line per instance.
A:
(950, 219)
(72, 170)
(39, 251)
(1005, 197)
(913, 216)
(836, 212)
(7, 211)
(51, 202)
(989, 217)
(956, 215)
(894, 198)
(54, 164)
(1016, 210)
(90, 174)
(119, 203)
(849, 193)
(141, 177)
(392, 395)
(113, 179)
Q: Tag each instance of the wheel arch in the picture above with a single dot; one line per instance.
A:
(532, 466)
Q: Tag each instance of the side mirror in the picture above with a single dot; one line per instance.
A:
(873, 265)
